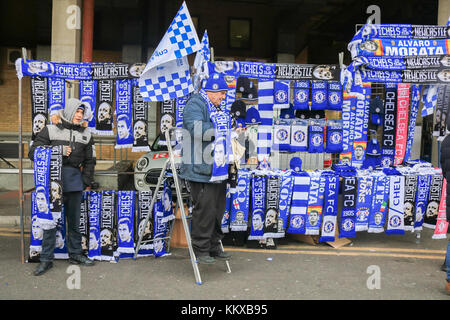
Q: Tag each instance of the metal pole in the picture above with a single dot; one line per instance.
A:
(22, 241)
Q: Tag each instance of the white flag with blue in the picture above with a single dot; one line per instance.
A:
(166, 75)
(429, 99)
(203, 55)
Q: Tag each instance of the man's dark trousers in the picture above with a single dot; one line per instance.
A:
(209, 201)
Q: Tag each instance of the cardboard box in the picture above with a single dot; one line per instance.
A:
(314, 240)
(178, 239)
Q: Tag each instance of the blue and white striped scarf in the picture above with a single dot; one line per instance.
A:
(299, 204)
(429, 99)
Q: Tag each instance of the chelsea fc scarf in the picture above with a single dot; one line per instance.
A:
(281, 94)
(104, 112)
(258, 207)
(144, 210)
(36, 232)
(95, 201)
(410, 201)
(159, 228)
(330, 207)
(299, 136)
(388, 138)
(56, 194)
(361, 124)
(286, 186)
(395, 220)
(60, 251)
(301, 95)
(140, 117)
(402, 122)
(349, 198)
(300, 194)
(364, 202)
(167, 120)
(125, 223)
(107, 226)
(380, 200)
(440, 232)
(318, 95)
(88, 95)
(222, 126)
(434, 198)
(334, 96)
(240, 202)
(39, 104)
(272, 219)
(124, 114)
(415, 99)
(334, 136)
(57, 95)
(42, 156)
(316, 132)
(225, 225)
(281, 135)
(315, 204)
(84, 222)
(423, 189)
(348, 118)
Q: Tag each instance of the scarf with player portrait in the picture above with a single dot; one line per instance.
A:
(240, 202)
(140, 117)
(84, 222)
(300, 194)
(160, 228)
(411, 181)
(60, 251)
(415, 99)
(95, 202)
(258, 207)
(225, 224)
(167, 120)
(315, 204)
(349, 198)
(423, 190)
(330, 207)
(440, 232)
(286, 186)
(104, 108)
(42, 156)
(348, 120)
(222, 132)
(143, 211)
(434, 199)
(124, 114)
(56, 95)
(88, 95)
(363, 202)
(56, 191)
(125, 223)
(395, 219)
(361, 124)
(36, 232)
(272, 217)
(108, 243)
(39, 104)
(380, 200)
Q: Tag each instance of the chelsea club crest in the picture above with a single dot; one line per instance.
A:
(335, 98)
(281, 96)
(328, 227)
(301, 96)
(299, 136)
(319, 97)
(336, 138)
(282, 134)
(316, 140)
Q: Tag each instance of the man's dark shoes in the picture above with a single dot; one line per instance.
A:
(222, 255)
(206, 260)
(43, 267)
(81, 259)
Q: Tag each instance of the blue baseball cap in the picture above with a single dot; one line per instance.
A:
(216, 83)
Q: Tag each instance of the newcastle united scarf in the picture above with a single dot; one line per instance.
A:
(380, 200)
(402, 122)
(316, 132)
(301, 95)
(240, 202)
(300, 195)
(57, 95)
(402, 31)
(95, 204)
(349, 198)
(60, 251)
(222, 146)
(167, 120)
(84, 222)
(286, 187)
(439, 114)
(334, 136)
(395, 219)
(389, 126)
(56, 191)
(88, 94)
(364, 202)
(315, 204)
(318, 95)
(159, 229)
(281, 94)
(281, 135)
(258, 207)
(434, 199)
(104, 109)
(140, 117)
(144, 210)
(410, 201)
(415, 98)
(39, 104)
(330, 207)
(334, 96)
(299, 136)
(440, 232)
(124, 114)
(36, 233)
(422, 192)
(125, 223)
(107, 226)
(42, 156)
(272, 217)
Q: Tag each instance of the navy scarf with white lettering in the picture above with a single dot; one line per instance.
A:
(286, 188)
(57, 95)
(84, 222)
(125, 223)
(380, 200)
(225, 225)
(410, 201)
(395, 219)
(258, 207)
(315, 204)
(104, 109)
(42, 156)
(348, 119)
(88, 94)
(361, 125)
(271, 221)
(140, 120)
(159, 228)
(415, 99)
(348, 217)
(423, 189)
(300, 194)
(364, 202)
(36, 232)
(108, 241)
(389, 125)
(330, 207)
(124, 114)
(144, 210)
(434, 199)
(95, 203)
(39, 104)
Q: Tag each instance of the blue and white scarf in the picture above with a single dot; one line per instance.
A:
(423, 190)
(124, 114)
(401, 31)
(364, 202)
(395, 219)
(301, 95)
(281, 135)
(225, 224)
(434, 199)
(36, 232)
(258, 207)
(240, 202)
(56, 95)
(144, 210)
(415, 98)
(60, 251)
(361, 126)
(159, 228)
(318, 95)
(88, 95)
(315, 204)
(299, 136)
(39, 104)
(272, 207)
(108, 243)
(300, 195)
(42, 156)
(265, 109)
(348, 118)
(286, 189)
(125, 223)
(389, 126)
(281, 94)
(410, 201)
(334, 136)
(330, 207)
(140, 120)
(348, 217)
(94, 225)
(222, 127)
(104, 108)
(380, 201)
(334, 96)
(316, 136)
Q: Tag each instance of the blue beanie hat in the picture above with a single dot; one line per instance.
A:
(216, 83)
(252, 116)
(296, 164)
